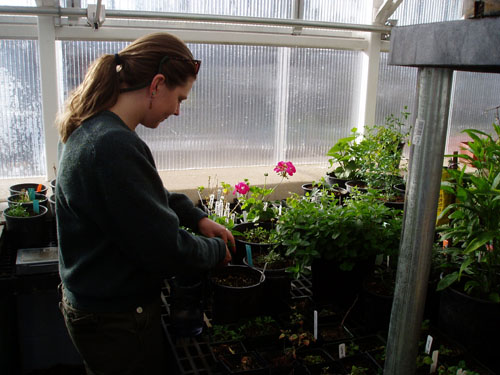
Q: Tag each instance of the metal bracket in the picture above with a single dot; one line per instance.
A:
(392, 23)
(96, 15)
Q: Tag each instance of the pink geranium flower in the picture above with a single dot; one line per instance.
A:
(241, 188)
(285, 169)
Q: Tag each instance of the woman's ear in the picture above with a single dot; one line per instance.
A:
(155, 82)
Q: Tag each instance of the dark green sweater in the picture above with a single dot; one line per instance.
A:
(118, 228)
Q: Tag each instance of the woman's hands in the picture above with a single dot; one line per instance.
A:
(210, 228)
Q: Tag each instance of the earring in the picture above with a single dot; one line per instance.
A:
(151, 100)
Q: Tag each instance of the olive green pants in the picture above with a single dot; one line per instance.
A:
(119, 343)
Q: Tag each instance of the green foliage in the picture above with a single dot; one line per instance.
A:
(474, 227)
(345, 157)
(17, 210)
(320, 228)
(221, 332)
(382, 148)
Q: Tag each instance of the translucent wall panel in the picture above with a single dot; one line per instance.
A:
(473, 95)
(412, 12)
(348, 11)
(24, 3)
(248, 8)
(229, 117)
(76, 58)
(397, 88)
(321, 105)
(22, 141)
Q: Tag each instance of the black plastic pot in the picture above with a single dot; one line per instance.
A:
(353, 185)
(333, 286)
(334, 181)
(14, 199)
(52, 184)
(26, 232)
(276, 289)
(17, 189)
(242, 245)
(375, 307)
(231, 303)
(473, 322)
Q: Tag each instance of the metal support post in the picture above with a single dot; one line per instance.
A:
(422, 192)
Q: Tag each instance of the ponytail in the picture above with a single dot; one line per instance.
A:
(134, 66)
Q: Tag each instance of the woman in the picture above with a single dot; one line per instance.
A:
(118, 228)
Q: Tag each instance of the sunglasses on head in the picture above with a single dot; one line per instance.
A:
(196, 63)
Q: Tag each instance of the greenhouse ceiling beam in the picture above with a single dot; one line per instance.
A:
(191, 17)
(386, 10)
(122, 30)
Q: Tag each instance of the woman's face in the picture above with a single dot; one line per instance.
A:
(167, 102)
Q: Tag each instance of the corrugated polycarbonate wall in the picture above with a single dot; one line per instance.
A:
(474, 97)
(247, 8)
(323, 87)
(229, 117)
(22, 140)
(397, 87)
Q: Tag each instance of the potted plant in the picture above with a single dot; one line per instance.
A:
(26, 225)
(339, 242)
(236, 293)
(472, 281)
(253, 199)
(20, 188)
(382, 150)
(345, 160)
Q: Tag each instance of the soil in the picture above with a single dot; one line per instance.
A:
(235, 280)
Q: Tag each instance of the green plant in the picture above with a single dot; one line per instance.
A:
(260, 325)
(17, 210)
(474, 227)
(297, 341)
(381, 149)
(253, 199)
(320, 228)
(358, 370)
(345, 159)
(221, 332)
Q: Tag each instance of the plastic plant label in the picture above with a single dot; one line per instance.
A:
(279, 210)
(315, 324)
(211, 201)
(36, 206)
(248, 248)
(265, 206)
(435, 355)
(342, 351)
(428, 344)
(31, 193)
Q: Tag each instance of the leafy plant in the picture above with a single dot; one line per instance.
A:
(224, 333)
(17, 210)
(253, 199)
(345, 158)
(362, 228)
(381, 149)
(296, 340)
(474, 227)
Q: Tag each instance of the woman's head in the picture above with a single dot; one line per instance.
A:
(133, 68)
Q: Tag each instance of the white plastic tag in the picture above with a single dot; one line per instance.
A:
(315, 324)
(428, 344)
(265, 206)
(342, 351)
(435, 355)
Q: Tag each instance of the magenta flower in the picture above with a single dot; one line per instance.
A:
(241, 188)
(285, 169)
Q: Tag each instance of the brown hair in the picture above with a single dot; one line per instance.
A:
(139, 63)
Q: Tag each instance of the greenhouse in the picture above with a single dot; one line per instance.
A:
(249, 187)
